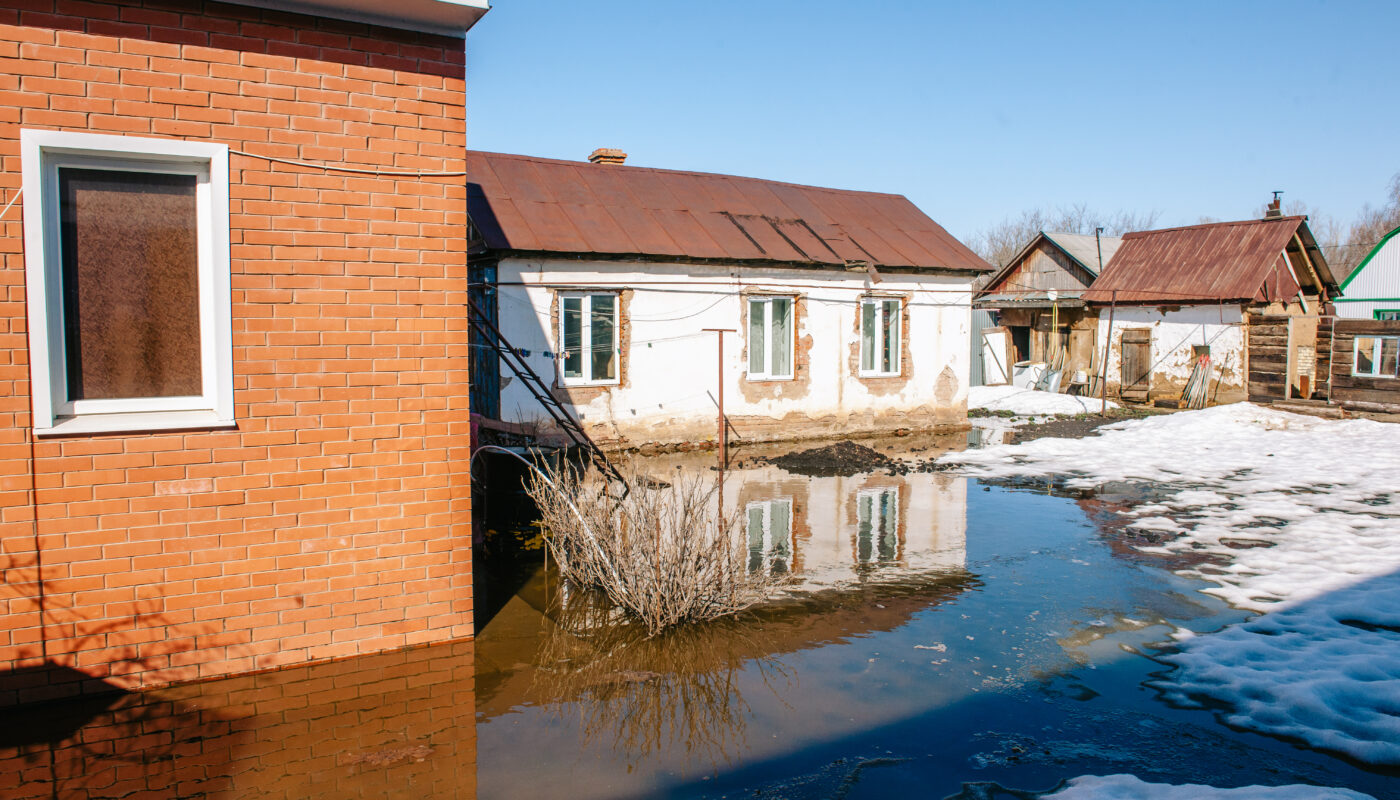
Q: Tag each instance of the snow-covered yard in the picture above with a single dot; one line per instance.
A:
(1302, 518)
(1006, 407)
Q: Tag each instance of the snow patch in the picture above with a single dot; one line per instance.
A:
(1030, 402)
(1301, 515)
(1129, 787)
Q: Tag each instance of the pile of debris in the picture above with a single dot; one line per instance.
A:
(843, 459)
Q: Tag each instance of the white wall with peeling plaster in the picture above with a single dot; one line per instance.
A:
(1174, 334)
(667, 390)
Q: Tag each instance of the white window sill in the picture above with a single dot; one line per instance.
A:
(136, 422)
(768, 378)
(587, 384)
(878, 374)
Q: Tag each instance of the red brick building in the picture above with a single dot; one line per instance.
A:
(233, 352)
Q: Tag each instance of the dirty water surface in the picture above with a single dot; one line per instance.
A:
(945, 638)
(942, 638)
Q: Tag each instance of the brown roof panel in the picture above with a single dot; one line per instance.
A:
(1216, 262)
(689, 235)
(730, 237)
(597, 227)
(548, 205)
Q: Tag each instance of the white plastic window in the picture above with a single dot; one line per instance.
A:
(879, 336)
(127, 269)
(588, 331)
(770, 338)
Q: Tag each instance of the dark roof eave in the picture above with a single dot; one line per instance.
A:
(499, 253)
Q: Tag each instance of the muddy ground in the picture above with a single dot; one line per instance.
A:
(1077, 426)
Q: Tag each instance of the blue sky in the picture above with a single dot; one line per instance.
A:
(975, 110)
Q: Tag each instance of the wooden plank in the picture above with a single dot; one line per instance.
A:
(1367, 395)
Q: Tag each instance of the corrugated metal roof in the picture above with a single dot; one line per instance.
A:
(523, 203)
(1222, 261)
(1084, 248)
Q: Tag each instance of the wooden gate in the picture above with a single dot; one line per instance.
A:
(1137, 364)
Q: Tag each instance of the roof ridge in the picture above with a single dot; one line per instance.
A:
(572, 163)
(1228, 223)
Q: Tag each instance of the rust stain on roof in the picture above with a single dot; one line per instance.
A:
(1216, 262)
(528, 204)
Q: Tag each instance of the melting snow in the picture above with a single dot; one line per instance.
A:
(1128, 787)
(1029, 402)
(1300, 510)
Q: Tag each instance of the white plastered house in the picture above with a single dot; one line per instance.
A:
(840, 312)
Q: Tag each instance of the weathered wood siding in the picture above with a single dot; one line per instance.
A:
(1376, 394)
(1267, 344)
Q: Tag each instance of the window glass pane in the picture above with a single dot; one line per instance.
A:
(130, 258)
(573, 337)
(1389, 348)
(604, 308)
(782, 337)
(889, 354)
(780, 534)
(867, 336)
(756, 347)
(1388, 315)
(1365, 356)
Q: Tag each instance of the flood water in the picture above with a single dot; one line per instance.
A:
(945, 638)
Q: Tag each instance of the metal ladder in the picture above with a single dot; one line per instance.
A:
(536, 386)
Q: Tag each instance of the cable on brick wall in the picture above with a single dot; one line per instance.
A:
(11, 203)
(353, 170)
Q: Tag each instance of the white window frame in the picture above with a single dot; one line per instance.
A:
(878, 340)
(586, 338)
(1375, 356)
(41, 155)
(767, 374)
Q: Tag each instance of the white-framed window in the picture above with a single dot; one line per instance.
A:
(879, 336)
(1376, 357)
(770, 536)
(770, 338)
(127, 269)
(877, 525)
(588, 333)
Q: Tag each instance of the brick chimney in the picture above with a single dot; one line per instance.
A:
(1274, 209)
(607, 155)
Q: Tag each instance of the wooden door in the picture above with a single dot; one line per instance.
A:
(1137, 364)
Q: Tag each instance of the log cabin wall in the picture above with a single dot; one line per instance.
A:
(1266, 343)
(1359, 392)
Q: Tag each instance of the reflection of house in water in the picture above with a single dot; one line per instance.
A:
(874, 549)
(830, 531)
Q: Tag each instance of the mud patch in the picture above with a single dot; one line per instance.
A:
(842, 459)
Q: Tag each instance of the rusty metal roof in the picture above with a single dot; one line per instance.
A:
(1216, 262)
(528, 204)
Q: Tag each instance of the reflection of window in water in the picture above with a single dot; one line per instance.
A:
(770, 536)
(877, 523)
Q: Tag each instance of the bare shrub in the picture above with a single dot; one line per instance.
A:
(663, 553)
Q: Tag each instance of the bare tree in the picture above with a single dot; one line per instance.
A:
(1370, 226)
(1000, 243)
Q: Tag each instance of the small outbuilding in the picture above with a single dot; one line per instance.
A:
(642, 297)
(1170, 297)
(1037, 306)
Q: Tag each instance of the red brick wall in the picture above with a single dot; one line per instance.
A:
(335, 520)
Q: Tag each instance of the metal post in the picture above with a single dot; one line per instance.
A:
(1107, 346)
(723, 431)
